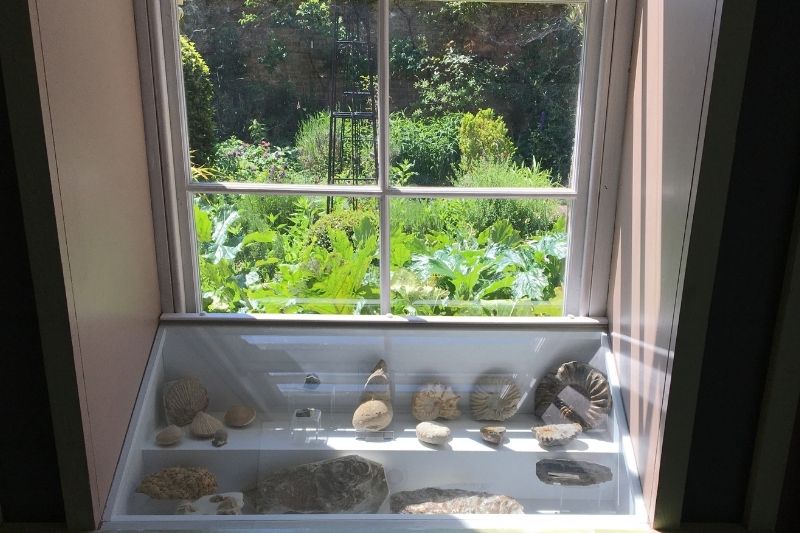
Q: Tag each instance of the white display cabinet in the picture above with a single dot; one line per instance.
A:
(268, 366)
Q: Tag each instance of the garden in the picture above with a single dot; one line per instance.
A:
(481, 95)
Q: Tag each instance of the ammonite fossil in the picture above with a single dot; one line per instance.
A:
(435, 400)
(494, 398)
(585, 380)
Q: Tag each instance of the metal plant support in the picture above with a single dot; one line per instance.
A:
(352, 139)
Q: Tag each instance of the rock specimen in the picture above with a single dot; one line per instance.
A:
(452, 501)
(587, 381)
(227, 503)
(493, 434)
(349, 484)
(433, 433)
(311, 381)
(220, 438)
(372, 415)
(374, 411)
(556, 434)
(433, 401)
(566, 472)
(169, 436)
(183, 399)
(204, 425)
(239, 416)
(179, 483)
(494, 398)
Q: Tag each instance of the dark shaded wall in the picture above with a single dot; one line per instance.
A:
(761, 199)
(30, 490)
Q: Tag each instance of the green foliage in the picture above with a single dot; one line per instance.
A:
(301, 260)
(430, 144)
(454, 82)
(312, 146)
(236, 160)
(484, 137)
(406, 57)
(401, 173)
(199, 100)
(351, 222)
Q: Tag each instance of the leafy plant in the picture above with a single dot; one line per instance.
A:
(454, 82)
(430, 144)
(312, 146)
(199, 100)
(483, 137)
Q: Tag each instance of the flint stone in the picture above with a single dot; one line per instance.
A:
(452, 501)
(349, 484)
(433, 433)
(566, 472)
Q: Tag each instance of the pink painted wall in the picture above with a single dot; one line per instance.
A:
(670, 59)
(89, 84)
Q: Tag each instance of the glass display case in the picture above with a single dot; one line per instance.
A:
(347, 425)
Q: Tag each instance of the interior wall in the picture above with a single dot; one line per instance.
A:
(89, 86)
(669, 67)
(29, 482)
(749, 275)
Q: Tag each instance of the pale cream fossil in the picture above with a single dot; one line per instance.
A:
(435, 400)
(494, 398)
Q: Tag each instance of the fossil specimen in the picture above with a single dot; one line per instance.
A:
(433, 401)
(184, 399)
(493, 434)
(556, 434)
(452, 501)
(227, 503)
(220, 438)
(372, 415)
(374, 411)
(170, 435)
(311, 381)
(583, 379)
(494, 398)
(349, 484)
(566, 472)
(179, 483)
(377, 386)
(433, 433)
(204, 425)
(239, 416)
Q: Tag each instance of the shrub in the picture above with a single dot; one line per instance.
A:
(346, 220)
(236, 160)
(199, 100)
(483, 137)
(312, 146)
(430, 144)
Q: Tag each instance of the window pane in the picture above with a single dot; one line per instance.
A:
(287, 254)
(484, 94)
(478, 257)
(281, 91)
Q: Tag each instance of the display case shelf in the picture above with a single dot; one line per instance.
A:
(265, 367)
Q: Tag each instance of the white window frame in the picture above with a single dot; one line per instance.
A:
(173, 189)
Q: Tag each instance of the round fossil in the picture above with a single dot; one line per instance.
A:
(586, 381)
(433, 401)
(239, 416)
(184, 399)
(494, 398)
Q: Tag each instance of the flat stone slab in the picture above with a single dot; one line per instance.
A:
(349, 484)
(452, 501)
(566, 472)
